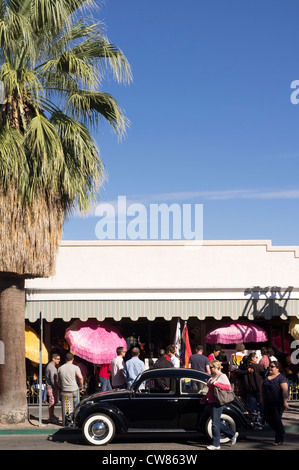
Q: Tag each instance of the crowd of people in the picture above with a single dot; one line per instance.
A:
(123, 373)
(68, 378)
(257, 381)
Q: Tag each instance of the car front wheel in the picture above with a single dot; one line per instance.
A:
(227, 421)
(98, 429)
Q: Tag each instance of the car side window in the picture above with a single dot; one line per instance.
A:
(163, 385)
(159, 385)
(193, 386)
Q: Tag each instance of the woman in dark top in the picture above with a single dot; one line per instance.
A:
(274, 397)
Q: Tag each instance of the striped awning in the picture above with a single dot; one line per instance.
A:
(151, 309)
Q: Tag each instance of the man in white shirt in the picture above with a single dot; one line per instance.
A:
(118, 379)
(170, 351)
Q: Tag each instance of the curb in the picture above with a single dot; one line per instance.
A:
(19, 431)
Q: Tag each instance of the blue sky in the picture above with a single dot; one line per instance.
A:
(212, 122)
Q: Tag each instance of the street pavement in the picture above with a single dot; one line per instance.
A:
(36, 435)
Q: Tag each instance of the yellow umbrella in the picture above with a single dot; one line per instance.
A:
(32, 346)
(294, 328)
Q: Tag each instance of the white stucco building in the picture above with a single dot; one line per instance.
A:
(139, 284)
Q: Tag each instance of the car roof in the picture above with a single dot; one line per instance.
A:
(176, 372)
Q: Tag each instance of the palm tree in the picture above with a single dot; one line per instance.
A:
(53, 60)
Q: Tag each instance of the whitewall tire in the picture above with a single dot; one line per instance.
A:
(98, 429)
(228, 420)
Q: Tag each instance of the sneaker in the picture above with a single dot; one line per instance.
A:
(211, 447)
(234, 439)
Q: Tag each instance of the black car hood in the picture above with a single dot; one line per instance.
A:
(109, 395)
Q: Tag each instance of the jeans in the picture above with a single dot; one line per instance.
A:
(218, 427)
(105, 384)
(254, 403)
(76, 398)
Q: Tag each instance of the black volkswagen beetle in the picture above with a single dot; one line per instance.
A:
(161, 400)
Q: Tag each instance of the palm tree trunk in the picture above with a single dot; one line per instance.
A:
(30, 235)
(13, 401)
(29, 242)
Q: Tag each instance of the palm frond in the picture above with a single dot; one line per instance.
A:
(68, 63)
(43, 140)
(83, 171)
(13, 159)
(52, 64)
(90, 106)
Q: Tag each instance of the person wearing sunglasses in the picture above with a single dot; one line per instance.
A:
(218, 379)
(274, 395)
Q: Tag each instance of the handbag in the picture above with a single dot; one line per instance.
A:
(222, 397)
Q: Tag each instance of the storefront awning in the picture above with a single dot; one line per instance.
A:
(168, 309)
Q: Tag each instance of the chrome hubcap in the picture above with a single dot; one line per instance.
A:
(98, 430)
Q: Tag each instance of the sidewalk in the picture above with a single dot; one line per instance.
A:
(290, 418)
(290, 421)
(33, 425)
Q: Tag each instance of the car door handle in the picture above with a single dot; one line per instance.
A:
(174, 400)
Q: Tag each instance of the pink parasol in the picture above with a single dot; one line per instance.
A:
(237, 333)
(94, 341)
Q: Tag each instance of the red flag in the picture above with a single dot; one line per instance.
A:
(186, 349)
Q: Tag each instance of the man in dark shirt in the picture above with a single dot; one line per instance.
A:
(52, 386)
(163, 383)
(198, 361)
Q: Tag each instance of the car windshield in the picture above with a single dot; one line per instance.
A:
(133, 386)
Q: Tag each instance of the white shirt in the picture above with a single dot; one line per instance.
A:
(117, 365)
(175, 361)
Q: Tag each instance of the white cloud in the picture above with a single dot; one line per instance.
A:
(198, 197)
